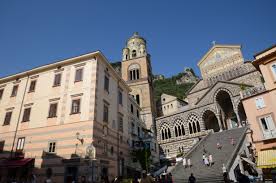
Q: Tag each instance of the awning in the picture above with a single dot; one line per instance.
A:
(16, 163)
(266, 159)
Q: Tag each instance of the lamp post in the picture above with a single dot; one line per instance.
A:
(91, 154)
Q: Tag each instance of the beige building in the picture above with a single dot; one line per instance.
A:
(170, 104)
(52, 114)
(260, 108)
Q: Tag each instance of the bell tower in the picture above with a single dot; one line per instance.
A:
(137, 72)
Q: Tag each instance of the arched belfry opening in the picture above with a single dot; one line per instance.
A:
(226, 110)
(210, 120)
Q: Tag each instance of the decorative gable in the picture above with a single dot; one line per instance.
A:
(220, 58)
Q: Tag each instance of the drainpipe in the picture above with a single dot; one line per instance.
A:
(19, 115)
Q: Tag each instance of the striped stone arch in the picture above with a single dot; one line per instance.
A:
(207, 109)
(222, 89)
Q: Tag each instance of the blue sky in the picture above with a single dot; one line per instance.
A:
(178, 32)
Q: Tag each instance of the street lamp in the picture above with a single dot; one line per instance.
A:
(91, 154)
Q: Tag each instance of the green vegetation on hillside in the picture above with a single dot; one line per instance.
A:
(170, 87)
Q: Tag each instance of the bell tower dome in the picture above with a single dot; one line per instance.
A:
(135, 47)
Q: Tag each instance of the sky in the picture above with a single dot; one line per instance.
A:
(178, 32)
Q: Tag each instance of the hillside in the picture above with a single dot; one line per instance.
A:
(170, 87)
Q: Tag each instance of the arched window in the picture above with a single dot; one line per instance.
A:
(134, 72)
(194, 127)
(179, 130)
(175, 131)
(133, 53)
(163, 137)
(131, 108)
(274, 70)
(190, 128)
(169, 133)
(138, 99)
(198, 126)
(193, 124)
(183, 130)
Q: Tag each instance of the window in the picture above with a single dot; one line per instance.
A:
(138, 99)
(57, 79)
(121, 122)
(260, 102)
(2, 144)
(105, 147)
(131, 108)
(75, 106)
(20, 143)
(111, 150)
(26, 115)
(32, 86)
(1, 93)
(106, 83)
(52, 147)
(268, 127)
(133, 53)
(105, 113)
(274, 70)
(78, 76)
(137, 113)
(120, 97)
(8, 118)
(53, 110)
(14, 91)
(138, 131)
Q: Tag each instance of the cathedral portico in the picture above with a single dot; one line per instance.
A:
(213, 103)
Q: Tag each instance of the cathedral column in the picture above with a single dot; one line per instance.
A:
(219, 122)
(238, 118)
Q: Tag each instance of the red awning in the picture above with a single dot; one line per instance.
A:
(15, 163)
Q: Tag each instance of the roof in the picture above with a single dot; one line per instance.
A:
(269, 48)
(63, 62)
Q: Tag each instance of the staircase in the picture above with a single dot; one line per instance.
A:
(220, 156)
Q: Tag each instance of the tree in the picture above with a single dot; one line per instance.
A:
(143, 157)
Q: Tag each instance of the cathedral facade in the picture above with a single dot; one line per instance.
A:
(214, 102)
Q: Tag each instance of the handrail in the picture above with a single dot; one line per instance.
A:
(236, 150)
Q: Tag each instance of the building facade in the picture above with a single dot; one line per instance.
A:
(53, 114)
(214, 102)
(260, 108)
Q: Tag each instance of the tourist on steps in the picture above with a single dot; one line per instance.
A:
(184, 162)
(206, 161)
(203, 158)
(211, 159)
(192, 179)
(189, 163)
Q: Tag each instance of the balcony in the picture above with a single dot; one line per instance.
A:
(252, 91)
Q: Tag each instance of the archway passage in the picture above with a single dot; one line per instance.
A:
(210, 121)
(242, 114)
(226, 110)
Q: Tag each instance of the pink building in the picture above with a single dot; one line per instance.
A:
(260, 106)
